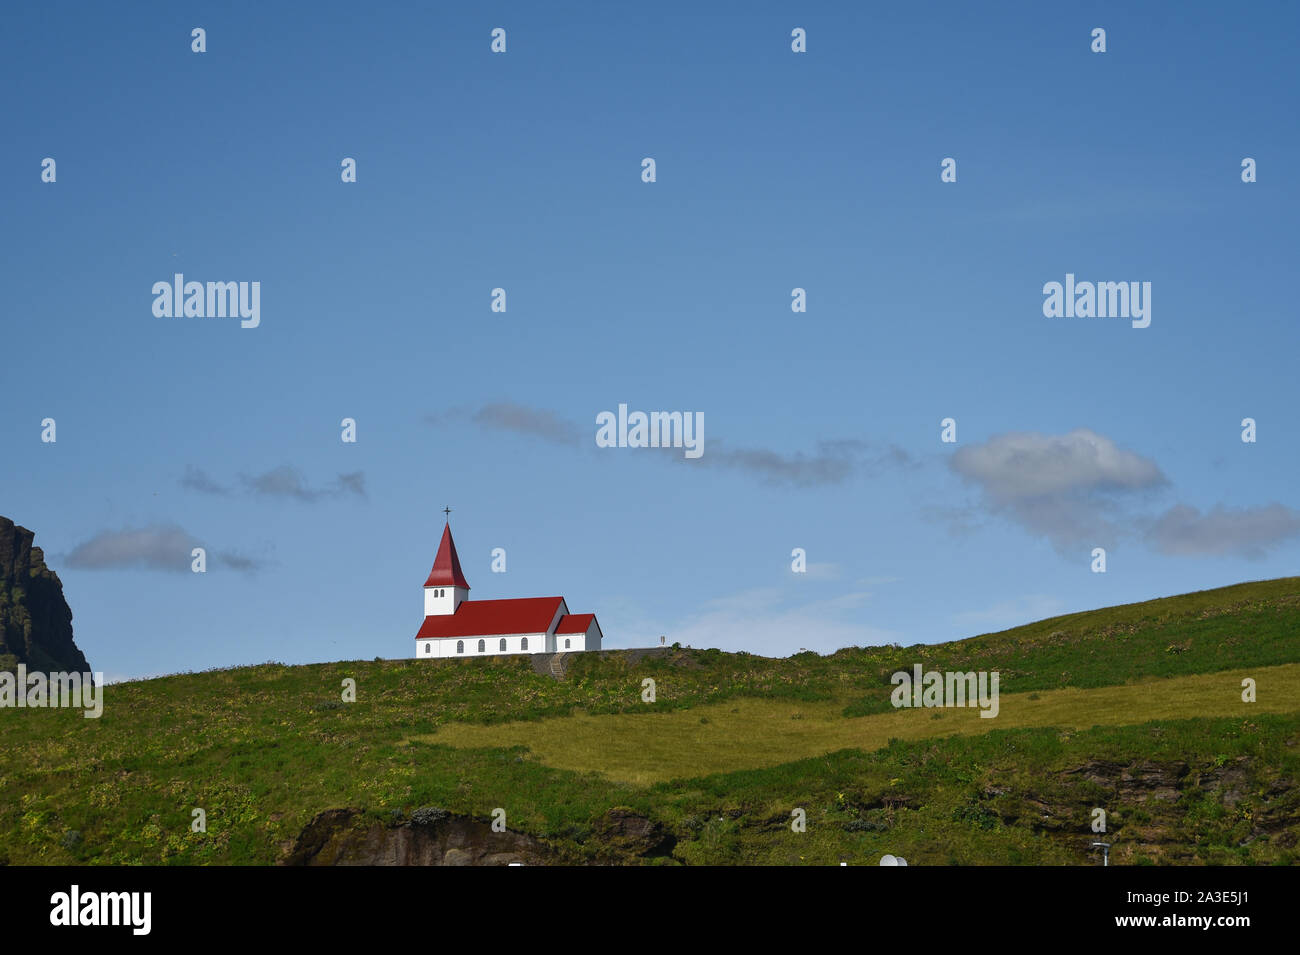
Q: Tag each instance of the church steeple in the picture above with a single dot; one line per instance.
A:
(446, 566)
(446, 589)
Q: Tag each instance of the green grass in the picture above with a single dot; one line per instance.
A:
(723, 737)
(263, 749)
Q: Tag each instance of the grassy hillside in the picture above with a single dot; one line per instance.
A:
(1134, 709)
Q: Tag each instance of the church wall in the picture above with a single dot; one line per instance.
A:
(446, 646)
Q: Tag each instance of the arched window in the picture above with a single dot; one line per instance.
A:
(460, 646)
(523, 644)
(503, 644)
(482, 646)
(428, 648)
(566, 643)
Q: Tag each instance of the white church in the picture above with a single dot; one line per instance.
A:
(455, 626)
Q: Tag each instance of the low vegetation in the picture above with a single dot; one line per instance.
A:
(1136, 710)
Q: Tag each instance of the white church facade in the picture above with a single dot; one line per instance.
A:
(455, 626)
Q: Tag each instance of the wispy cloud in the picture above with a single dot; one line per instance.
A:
(831, 462)
(353, 482)
(771, 621)
(284, 481)
(198, 480)
(823, 571)
(239, 561)
(1081, 490)
(537, 422)
(1248, 532)
(514, 418)
(165, 547)
(288, 481)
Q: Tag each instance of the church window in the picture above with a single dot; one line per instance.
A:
(503, 644)
(481, 646)
(523, 644)
(566, 643)
(428, 648)
(460, 646)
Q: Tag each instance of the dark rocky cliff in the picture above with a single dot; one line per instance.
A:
(435, 836)
(432, 837)
(35, 620)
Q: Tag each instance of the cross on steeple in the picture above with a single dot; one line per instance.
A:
(447, 511)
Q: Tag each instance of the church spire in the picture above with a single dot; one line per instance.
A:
(446, 566)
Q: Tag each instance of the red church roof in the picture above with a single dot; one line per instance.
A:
(575, 622)
(493, 618)
(446, 566)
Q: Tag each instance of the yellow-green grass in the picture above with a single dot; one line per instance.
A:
(653, 747)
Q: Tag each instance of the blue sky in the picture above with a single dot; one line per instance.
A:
(522, 171)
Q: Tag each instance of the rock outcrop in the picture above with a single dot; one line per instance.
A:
(430, 837)
(437, 837)
(628, 834)
(35, 620)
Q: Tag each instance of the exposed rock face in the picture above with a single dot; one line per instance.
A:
(628, 833)
(347, 837)
(438, 837)
(1147, 802)
(35, 620)
(1139, 782)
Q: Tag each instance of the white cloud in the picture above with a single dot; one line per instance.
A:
(154, 547)
(767, 621)
(1246, 532)
(1020, 465)
(1070, 488)
(823, 571)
